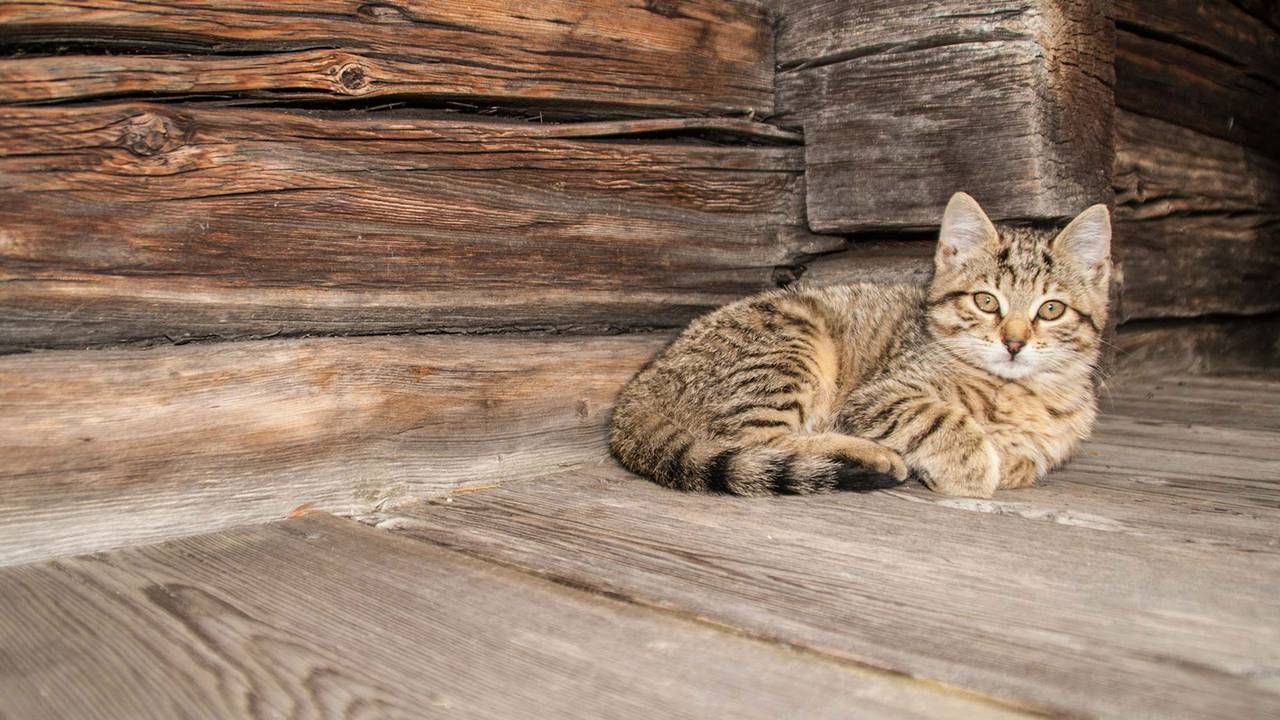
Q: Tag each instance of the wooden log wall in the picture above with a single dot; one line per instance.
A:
(541, 174)
(325, 200)
(1197, 182)
(128, 221)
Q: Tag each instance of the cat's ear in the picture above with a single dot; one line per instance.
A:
(965, 231)
(1086, 242)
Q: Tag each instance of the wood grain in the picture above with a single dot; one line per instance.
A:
(692, 56)
(1011, 103)
(128, 221)
(897, 262)
(319, 617)
(1101, 593)
(1197, 222)
(1208, 345)
(106, 448)
(1208, 66)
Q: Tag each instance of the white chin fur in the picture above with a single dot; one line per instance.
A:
(996, 361)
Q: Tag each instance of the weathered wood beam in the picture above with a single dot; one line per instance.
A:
(104, 448)
(694, 56)
(129, 221)
(1197, 222)
(1204, 345)
(903, 104)
(1209, 66)
(897, 262)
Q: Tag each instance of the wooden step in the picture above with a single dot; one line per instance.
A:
(320, 617)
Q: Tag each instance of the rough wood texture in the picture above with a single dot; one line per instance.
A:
(897, 262)
(903, 104)
(104, 448)
(1197, 222)
(1203, 64)
(137, 221)
(319, 617)
(1213, 345)
(691, 56)
(1138, 582)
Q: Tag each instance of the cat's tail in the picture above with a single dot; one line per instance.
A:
(670, 455)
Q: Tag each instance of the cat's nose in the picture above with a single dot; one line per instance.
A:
(1014, 346)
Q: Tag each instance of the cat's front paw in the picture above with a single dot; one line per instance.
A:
(953, 486)
(974, 475)
(1020, 473)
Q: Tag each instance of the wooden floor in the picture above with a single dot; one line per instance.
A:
(1142, 581)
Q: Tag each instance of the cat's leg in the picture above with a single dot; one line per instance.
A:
(941, 443)
(952, 456)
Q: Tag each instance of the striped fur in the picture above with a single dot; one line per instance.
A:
(807, 390)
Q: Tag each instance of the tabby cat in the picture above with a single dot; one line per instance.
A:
(982, 380)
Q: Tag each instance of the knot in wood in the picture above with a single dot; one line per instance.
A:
(383, 12)
(150, 134)
(353, 77)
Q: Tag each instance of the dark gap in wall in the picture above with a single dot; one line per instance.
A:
(42, 42)
(710, 130)
(142, 343)
(1153, 34)
(1177, 41)
(1210, 319)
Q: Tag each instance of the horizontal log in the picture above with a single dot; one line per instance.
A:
(823, 32)
(1268, 11)
(104, 448)
(137, 221)
(1156, 348)
(694, 56)
(895, 262)
(1197, 222)
(1012, 103)
(1209, 66)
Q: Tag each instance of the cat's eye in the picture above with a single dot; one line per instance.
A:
(1051, 310)
(986, 302)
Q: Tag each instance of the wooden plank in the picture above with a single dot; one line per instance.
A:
(1217, 345)
(106, 448)
(318, 617)
(698, 56)
(1197, 222)
(1069, 618)
(1012, 102)
(1208, 66)
(137, 221)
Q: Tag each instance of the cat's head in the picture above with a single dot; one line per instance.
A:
(1018, 302)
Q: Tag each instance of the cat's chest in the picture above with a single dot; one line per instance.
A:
(1014, 413)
